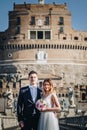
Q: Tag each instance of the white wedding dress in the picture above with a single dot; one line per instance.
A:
(48, 120)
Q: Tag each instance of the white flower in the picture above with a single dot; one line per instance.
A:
(41, 104)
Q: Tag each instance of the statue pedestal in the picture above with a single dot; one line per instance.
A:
(62, 114)
(71, 112)
(8, 111)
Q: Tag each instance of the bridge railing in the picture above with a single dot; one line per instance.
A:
(74, 123)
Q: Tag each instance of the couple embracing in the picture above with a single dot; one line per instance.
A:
(30, 117)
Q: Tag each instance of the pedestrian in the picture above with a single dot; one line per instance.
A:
(48, 118)
(27, 113)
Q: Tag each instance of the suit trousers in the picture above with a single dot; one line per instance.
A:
(31, 123)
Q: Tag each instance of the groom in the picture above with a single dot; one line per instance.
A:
(27, 114)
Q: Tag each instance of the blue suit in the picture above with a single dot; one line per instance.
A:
(26, 108)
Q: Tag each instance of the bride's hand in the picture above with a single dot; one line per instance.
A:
(56, 114)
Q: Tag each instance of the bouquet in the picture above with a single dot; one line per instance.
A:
(41, 104)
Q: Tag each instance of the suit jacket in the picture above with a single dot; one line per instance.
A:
(25, 104)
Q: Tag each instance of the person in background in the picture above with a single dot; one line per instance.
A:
(48, 118)
(27, 113)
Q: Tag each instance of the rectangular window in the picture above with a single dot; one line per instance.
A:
(47, 35)
(14, 85)
(61, 30)
(46, 20)
(61, 21)
(32, 20)
(32, 34)
(40, 84)
(18, 21)
(40, 35)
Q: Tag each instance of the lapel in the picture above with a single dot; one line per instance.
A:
(38, 94)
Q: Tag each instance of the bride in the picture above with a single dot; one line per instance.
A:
(48, 118)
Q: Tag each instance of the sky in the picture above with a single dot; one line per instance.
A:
(78, 9)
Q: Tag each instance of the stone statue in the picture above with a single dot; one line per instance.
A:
(70, 96)
(9, 95)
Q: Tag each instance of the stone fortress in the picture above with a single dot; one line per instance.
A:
(40, 37)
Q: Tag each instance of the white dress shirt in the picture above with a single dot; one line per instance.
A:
(33, 91)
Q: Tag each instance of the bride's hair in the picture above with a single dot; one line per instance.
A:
(49, 81)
